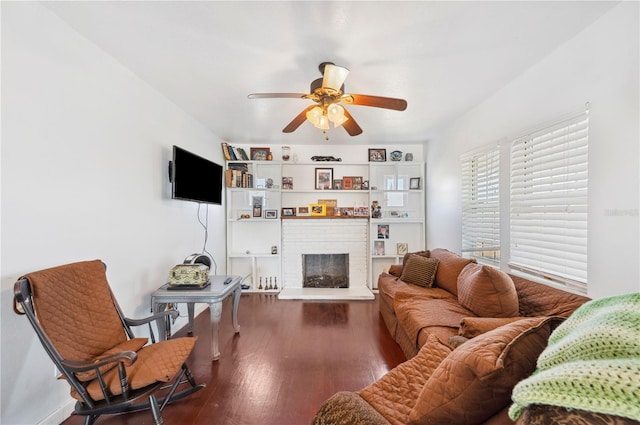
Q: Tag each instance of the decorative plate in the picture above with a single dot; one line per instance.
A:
(396, 156)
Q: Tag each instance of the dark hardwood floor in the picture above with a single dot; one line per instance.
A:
(289, 357)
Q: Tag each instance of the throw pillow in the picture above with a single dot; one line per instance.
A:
(475, 381)
(449, 268)
(487, 291)
(420, 271)
(471, 327)
(426, 253)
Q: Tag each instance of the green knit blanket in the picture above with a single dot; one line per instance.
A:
(592, 362)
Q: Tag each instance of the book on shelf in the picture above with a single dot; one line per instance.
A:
(225, 151)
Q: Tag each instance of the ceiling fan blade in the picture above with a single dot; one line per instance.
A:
(277, 95)
(351, 125)
(376, 101)
(334, 77)
(297, 121)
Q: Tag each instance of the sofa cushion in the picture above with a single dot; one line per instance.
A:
(347, 408)
(419, 270)
(426, 253)
(395, 393)
(487, 291)
(449, 267)
(471, 327)
(488, 365)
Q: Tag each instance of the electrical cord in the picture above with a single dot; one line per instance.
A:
(205, 225)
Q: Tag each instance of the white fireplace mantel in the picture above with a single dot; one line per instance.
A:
(325, 236)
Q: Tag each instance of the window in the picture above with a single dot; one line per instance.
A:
(481, 205)
(548, 208)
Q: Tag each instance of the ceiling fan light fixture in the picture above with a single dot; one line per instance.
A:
(334, 77)
(336, 115)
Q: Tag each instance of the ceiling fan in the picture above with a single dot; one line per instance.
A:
(327, 93)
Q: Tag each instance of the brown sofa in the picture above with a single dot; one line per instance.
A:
(470, 332)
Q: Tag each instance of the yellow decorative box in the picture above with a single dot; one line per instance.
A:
(189, 275)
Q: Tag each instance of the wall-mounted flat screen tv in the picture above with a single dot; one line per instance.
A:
(194, 178)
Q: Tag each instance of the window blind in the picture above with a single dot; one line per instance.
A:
(548, 206)
(481, 205)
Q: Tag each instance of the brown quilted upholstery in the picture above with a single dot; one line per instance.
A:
(545, 415)
(76, 309)
(487, 291)
(413, 316)
(156, 362)
(62, 297)
(395, 394)
(471, 327)
(449, 267)
(347, 408)
(541, 300)
(475, 381)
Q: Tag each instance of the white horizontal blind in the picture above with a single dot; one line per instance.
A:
(548, 209)
(481, 205)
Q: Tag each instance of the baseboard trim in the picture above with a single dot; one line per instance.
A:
(59, 415)
(326, 294)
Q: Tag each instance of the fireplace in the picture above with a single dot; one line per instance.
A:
(325, 270)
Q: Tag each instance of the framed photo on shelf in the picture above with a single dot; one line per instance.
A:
(377, 155)
(347, 183)
(402, 248)
(378, 247)
(318, 210)
(303, 211)
(260, 154)
(414, 183)
(337, 184)
(324, 178)
(331, 204)
(383, 231)
(288, 212)
(357, 183)
(271, 214)
(287, 183)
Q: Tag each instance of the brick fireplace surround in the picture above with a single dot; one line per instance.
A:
(325, 236)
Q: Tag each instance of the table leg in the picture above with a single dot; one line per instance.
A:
(190, 313)
(234, 309)
(215, 310)
(164, 324)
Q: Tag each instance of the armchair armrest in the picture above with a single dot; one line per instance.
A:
(77, 366)
(138, 322)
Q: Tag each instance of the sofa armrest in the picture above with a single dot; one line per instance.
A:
(395, 270)
(347, 408)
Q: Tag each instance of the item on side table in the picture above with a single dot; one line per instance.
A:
(189, 275)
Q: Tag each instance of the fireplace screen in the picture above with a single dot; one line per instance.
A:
(325, 270)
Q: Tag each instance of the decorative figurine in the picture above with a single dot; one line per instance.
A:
(375, 210)
(260, 287)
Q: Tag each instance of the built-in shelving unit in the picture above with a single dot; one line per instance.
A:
(260, 195)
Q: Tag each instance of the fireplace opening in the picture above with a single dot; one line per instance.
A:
(325, 270)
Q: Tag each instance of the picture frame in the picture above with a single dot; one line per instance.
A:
(304, 211)
(377, 155)
(383, 231)
(378, 247)
(337, 184)
(347, 183)
(257, 211)
(346, 211)
(260, 154)
(357, 182)
(402, 248)
(324, 179)
(318, 210)
(287, 183)
(414, 183)
(331, 204)
(288, 212)
(361, 211)
(271, 214)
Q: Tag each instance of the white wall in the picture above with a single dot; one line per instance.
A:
(85, 147)
(600, 66)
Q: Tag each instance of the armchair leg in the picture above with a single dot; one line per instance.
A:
(155, 410)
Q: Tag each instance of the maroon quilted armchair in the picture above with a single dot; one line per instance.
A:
(83, 330)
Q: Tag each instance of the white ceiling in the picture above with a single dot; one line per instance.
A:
(442, 57)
